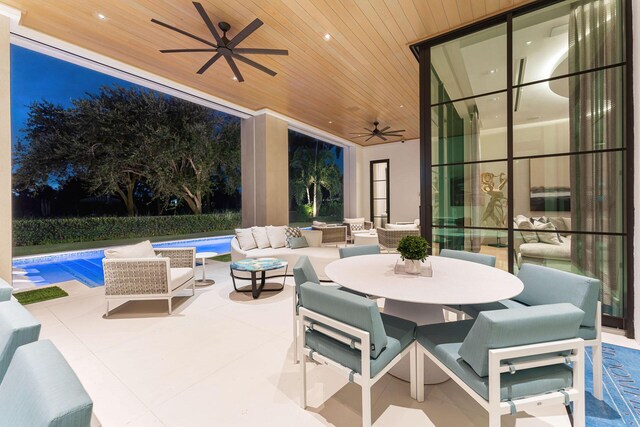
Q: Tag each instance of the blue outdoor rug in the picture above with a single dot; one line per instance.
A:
(621, 384)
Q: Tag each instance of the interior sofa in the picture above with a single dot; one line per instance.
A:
(532, 249)
(320, 256)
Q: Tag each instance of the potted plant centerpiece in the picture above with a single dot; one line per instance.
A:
(413, 250)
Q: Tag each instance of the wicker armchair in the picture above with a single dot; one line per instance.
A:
(150, 278)
(368, 225)
(389, 239)
(332, 235)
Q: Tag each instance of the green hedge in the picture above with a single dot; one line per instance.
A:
(27, 232)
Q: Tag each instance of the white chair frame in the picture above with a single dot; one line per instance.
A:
(364, 379)
(494, 406)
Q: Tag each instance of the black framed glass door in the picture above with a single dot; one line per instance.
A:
(525, 148)
(380, 198)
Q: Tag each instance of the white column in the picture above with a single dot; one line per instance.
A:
(5, 151)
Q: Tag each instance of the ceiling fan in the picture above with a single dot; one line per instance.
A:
(223, 47)
(380, 133)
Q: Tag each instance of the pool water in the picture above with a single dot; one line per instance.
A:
(86, 266)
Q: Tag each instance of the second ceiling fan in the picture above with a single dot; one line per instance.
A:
(224, 47)
(380, 133)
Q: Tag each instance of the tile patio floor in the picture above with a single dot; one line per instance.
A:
(223, 359)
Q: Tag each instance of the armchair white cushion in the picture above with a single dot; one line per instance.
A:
(139, 250)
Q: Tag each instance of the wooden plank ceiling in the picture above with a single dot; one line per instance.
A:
(366, 71)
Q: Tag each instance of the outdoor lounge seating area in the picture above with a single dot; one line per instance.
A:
(416, 213)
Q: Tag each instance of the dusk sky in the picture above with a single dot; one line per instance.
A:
(35, 76)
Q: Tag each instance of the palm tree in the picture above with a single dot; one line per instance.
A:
(315, 169)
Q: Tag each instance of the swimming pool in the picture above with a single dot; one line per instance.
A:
(86, 266)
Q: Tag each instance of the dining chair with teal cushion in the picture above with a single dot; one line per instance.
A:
(41, 389)
(544, 285)
(348, 333)
(303, 272)
(512, 360)
(17, 327)
(6, 290)
(350, 251)
(488, 260)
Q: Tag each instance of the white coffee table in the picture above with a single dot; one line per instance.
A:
(419, 298)
(203, 256)
(364, 238)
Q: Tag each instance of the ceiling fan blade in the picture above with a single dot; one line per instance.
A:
(392, 135)
(234, 68)
(382, 130)
(183, 32)
(369, 138)
(381, 137)
(360, 133)
(254, 64)
(205, 17)
(209, 63)
(368, 130)
(361, 136)
(187, 50)
(250, 50)
(246, 32)
(397, 131)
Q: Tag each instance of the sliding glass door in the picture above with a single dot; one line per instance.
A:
(525, 142)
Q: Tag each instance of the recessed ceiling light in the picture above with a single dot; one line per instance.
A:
(101, 16)
(493, 71)
(327, 37)
(401, 105)
(234, 78)
(494, 99)
(528, 43)
(330, 122)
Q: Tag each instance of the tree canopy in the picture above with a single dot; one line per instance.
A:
(119, 138)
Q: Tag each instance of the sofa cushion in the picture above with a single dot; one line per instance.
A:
(443, 340)
(17, 327)
(401, 329)
(523, 224)
(41, 389)
(517, 326)
(179, 276)
(359, 312)
(545, 251)
(260, 237)
(401, 227)
(298, 242)
(543, 285)
(245, 239)
(314, 237)
(547, 233)
(292, 232)
(277, 236)
(354, 221)
(139, 250)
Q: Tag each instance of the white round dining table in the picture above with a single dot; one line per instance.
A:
(419, 298)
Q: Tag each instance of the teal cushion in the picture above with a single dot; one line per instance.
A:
(41, 389)
(17, 327)
(474, 310)
(489, 260)
(359, 250)
(518, 326)
(587, 333)
(348, 356)
(5, 291)
(354, 310)
(444, 340)
(544, 285)
(303, 272)
(402, 330)
(298, 242)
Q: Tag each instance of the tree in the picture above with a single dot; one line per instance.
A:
(315, 169)
(115, 140)
(201, 155)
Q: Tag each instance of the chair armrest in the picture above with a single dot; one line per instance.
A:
(179, 257)
(136, 276)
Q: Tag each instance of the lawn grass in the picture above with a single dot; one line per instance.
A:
(39, 295)
(223, 258)
(65, 247)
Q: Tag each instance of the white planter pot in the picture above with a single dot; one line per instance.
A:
(412, 266)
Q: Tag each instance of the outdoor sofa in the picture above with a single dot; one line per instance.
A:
(319, 255)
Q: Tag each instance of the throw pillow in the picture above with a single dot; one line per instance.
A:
(260, 236)
(297, 242)
(353, 220)
(245, 239)
(524, 224)
(139, 250)
(319, 223)
(357, 227)
(567, 222)
(546, 236)
(292, 232)
(277, 236)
